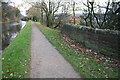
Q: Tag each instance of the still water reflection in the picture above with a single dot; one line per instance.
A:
(10, 31)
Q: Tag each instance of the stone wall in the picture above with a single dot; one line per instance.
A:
(104, 41)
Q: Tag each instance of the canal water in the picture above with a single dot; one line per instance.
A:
(9, 32)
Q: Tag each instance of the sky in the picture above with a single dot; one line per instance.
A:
(21, 5)
(24, 6)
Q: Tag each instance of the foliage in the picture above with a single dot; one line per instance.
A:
(108, 19)
(25, 18)
(47, 11)
(34, 13)
(84, 64)
(113, 17)
(16, 57)
(10, 13)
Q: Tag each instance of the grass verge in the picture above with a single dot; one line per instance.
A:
(84, 64)
(16, 57)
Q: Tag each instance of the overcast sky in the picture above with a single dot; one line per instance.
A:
(21, 5)
(24, 6)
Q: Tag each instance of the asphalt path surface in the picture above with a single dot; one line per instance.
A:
(46, 61)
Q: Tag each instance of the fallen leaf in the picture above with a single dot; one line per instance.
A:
(7, 71)
(97, 60)
(99, 69)
(19, 76)
(11, 74)
(2, 58)
(80, 63)
(26, 72)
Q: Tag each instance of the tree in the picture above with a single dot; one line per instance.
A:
(48, 8)
(9, 13)
(61, 18)
(89, 16)
(101, 25)
(0, 11)
(97, 18)
(34, 13)
(74, 11)
(113, 16)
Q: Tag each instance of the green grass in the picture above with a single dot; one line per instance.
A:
(16, 57)
(84, 64)
(0, 66)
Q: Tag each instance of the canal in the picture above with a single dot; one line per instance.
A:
(9, 32)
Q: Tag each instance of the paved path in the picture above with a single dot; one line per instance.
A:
(46, 61)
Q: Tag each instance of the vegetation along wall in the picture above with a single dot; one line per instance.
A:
(104, 41)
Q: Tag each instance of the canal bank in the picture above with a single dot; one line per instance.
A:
(9, 32)
(16, 57)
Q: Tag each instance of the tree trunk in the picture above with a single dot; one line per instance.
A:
(91, 15)
(57, 25)
(74, 11)
(47, 20)
(41, 16)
